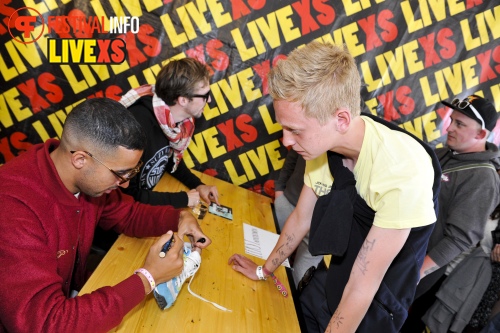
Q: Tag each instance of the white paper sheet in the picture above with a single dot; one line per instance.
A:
(259, 242)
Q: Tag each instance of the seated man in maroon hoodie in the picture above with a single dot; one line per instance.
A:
(53, 197)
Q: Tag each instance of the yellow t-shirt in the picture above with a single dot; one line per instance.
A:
(317, 176)
(394, 175)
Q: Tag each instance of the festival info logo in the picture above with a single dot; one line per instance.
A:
(76, 45)
(23, 21)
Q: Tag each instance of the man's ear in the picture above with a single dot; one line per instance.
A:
(482, 134)
(78, 159)
(344, 118)
(182, 100)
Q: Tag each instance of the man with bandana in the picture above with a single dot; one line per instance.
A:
(166, 111)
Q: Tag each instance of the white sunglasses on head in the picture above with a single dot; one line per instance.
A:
(462, 104)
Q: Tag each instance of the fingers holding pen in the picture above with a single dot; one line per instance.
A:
(178, 246)
(159, 244)
(172, 247)
(164, 267)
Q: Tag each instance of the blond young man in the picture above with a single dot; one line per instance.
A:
(378, 216)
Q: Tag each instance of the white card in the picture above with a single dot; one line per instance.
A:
(259, 242)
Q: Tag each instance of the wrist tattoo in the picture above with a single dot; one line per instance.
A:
(337, 321)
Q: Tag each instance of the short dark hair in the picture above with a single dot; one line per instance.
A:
(106, 124)
(179, 78)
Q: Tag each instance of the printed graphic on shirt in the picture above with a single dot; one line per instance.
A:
(154, 168)
(321, 188)
(60, 253)
(445, 178)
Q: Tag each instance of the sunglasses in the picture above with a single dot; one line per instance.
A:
(205, 97)
(308, 275)
(124, 176)
(462, 104)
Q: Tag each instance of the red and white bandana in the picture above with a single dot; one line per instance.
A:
(179, 135)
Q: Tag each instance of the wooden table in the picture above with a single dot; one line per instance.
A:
(256, 306)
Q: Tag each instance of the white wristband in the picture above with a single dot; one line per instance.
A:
(260, 273)
(148, 277)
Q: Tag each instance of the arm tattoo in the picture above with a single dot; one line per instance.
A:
(276, 262)
(362, 261)
(284, 250)
(289, 239)
(335, 321)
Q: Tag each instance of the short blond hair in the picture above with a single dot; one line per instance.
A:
(321, 77)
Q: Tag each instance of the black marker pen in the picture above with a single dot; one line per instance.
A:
(166, 247)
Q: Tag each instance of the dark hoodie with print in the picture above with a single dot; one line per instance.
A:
(470, 191)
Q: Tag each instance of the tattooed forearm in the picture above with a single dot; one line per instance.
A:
(335, 322)
(276, 262)
(289, 241)
(282, 254)
(284, 250)
(362, 261)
